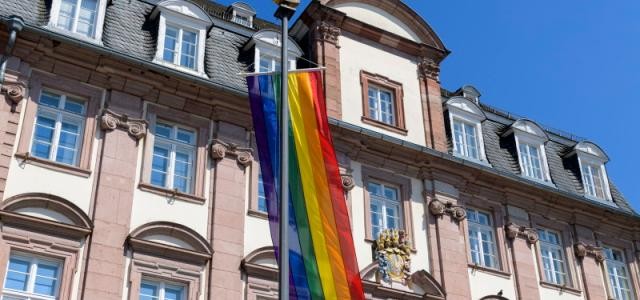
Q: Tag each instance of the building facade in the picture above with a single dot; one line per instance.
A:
(128, 166)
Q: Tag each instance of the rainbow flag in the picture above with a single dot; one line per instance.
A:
(322, 257)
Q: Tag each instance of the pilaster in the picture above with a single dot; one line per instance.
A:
(590, 257)
(12, 93)
(432, 112)
(326, 49)
(523, 238)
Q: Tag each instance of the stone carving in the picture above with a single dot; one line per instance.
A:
(14, 91)
(392, 251)
(347, 182)
(583, 249)
(439, 208)
(514, 230)
(220, 149)
(429, 69)
(110, 120)
(328, 32)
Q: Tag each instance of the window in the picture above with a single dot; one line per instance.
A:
(82, 17)
(262, 199)
(31, 278)
(553, 259)
(58, 129)
(242, 14)
(180, 47)
(382, 102)
(242, 20)
(381, 105)
(174, 151)
(465, 139)
(157, 290)
(482, 239)
(593, 181)
(266, 45)
(619, 279)
(385, 208)
(530, 161)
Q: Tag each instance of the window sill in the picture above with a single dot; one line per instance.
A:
(490, 270)
(476, 161)
(180, 68)
(171, 194)
(75, 35)
(258, 214)
(561, 288)
(52, 165)
(385, 126)
(539, 181)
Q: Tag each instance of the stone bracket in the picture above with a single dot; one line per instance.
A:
(110, 120)
(514, 230)
(347, 182)
(328, 33)
(15, 91)
(220, 149)
(428, 68)
(583, 249)
(439, 208)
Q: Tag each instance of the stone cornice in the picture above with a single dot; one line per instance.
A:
(439, 208)
(327, 32)
(221, 149)
(513, 231)
(429, 69)
(583, 249)
(109, 120)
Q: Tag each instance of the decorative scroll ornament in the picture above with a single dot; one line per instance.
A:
(14, 91)
(583, 249)
(220, 149)
(110, 120)
(392, 251)
(328, 33)
(439, 208)
(514, 230)
(347, 182)
(429, 69)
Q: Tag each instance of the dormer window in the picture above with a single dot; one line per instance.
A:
(465, 122)
(591, 160)
(80, 17)
(266, 46)
(182, 34)
(530, 139)
(242, 14)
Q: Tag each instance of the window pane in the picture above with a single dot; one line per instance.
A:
(69, 134)
(44, 286)
(173, 293)
(266, 64)
(74, 106)
(374, 189)
(186, 136)
(87, 17)
(148, 291)
(262, 200)
(458, 138)
(50, 99)
(188, 52)
(17, 274)
(170, 43)
(67, 14)
(66, 156)
(183, 164)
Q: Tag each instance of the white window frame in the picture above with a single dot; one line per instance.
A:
(59, 112)
(460, 110)
(240, 13)
(384, 203)
(99, 24)
(616, 290)
(547, 247)
(273, 53)
(182, 22)
(478, 230)
(392, 97)
(172, 146)
(162, 285)
(33, 268)
(585, 159)
(538, 143)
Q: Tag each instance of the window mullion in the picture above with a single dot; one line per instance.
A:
(465, 147)
(172, 161)
(33, 268)
(178, 50)
(56, 136)
(76, 16)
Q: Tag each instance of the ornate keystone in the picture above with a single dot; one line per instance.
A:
(514, 230)
(347, 182)
(327, 32)
(14, 91)
(110, 120)
(429, 69)
(220, 149)
(583, 249)
(439, 208)
(392, 251)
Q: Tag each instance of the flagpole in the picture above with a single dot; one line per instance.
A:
(285, 11)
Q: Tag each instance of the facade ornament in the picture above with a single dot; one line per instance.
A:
(392, 251)
(514, 230)
(429, 69)
(14, 91)
(347, 182)
(220, 149)
(583, 249)
(439, 208)
(110, 120)
(328, 33)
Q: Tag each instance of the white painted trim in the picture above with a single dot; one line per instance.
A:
(185, 23)
(538, 142)
(459, 113)
(590, 159)
(98, 26)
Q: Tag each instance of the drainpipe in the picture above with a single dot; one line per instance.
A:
(15, 25)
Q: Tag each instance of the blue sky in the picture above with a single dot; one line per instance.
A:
(573, 65)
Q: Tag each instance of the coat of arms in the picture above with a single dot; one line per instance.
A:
(393, 253)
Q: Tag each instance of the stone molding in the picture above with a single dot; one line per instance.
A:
(15, 91)
(428, 68)
(439, 208)
(513, 231)
(110, 120)
(220, 149)
(327, 32)
(583, 249)
(347, 182)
